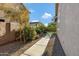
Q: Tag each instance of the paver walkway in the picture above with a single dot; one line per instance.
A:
(38, 48)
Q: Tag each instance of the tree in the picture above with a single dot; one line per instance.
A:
(41, 29)
(52, 27)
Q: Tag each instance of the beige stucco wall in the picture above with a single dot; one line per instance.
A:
(9, 37)
(6, 37)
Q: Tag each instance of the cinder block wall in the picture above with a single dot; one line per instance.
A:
(68, 27)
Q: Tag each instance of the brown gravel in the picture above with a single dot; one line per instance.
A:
(49, 48)
(25, 47)
(15, 48)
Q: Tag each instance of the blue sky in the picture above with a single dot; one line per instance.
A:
(42, 12)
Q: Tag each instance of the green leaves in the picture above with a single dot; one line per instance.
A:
(30, 33)
(52, 27)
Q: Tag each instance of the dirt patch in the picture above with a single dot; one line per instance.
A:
(25, 47)
(6, 49)
(15, 48)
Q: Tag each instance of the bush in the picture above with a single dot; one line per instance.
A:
(30, 33)
(52, 27)
(17, 33)
(41, 31)
(38, 30)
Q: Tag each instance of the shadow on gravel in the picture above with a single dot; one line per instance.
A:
(54, 47)
(57, 48)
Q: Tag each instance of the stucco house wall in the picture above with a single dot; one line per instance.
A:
(68, 27)
(9, 27)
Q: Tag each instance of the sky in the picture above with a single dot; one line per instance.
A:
(42, 12)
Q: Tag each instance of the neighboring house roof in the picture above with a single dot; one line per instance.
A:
(34, 22)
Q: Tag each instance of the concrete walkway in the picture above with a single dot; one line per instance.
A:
(38, 48)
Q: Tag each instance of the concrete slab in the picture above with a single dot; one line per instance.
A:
(43, 42)
(35, 50)
(38, 48)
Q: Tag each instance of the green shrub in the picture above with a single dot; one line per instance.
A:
(41, 31)
(52, 27)
(17, 34)
(26, 32)
(38, 30)
(33, 34)
(30, 33)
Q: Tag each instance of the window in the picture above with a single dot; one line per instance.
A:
(2, 20)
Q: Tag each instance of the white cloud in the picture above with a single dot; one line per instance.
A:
(31, 10)
(46, 24)
(46, 15)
